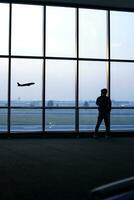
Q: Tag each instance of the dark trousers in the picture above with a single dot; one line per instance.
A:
(106, 117)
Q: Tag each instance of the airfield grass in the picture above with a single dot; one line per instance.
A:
(59, 117)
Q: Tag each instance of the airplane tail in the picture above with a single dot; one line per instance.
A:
(18, 84)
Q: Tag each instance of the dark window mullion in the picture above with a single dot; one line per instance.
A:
(109, 56)
(44, 71)
(9, 68)
(77, 74)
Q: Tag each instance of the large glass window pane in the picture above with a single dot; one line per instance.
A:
(25, 120)
(122, 84)
(4, 28)
(60, 120)
(60, 31)
(92, 78)
(3, 81)
(88, 119)
(3, 120)
(122, 120)
(60, 83)
(25, 71)
(92, 33)
(27, 30)
(122, 35)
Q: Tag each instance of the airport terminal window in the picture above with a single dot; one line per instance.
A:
(60, 32)
(3, 120)
(87, 120)
(60, 83)
(92, 33)
(26, 120)
(4, 27)
(23, 71)
(92, 77)
(3, 81)
(122, 95)
(60, 120)
(27, 30)
(69, 54)
(122, 40)
(122, 119)
(122, 83)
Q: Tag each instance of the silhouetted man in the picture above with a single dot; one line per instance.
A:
(104, 107)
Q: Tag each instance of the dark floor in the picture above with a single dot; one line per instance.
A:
(62, 169)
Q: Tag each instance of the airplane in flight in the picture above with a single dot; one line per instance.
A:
(25, 84)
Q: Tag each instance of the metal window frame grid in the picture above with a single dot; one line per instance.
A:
(76, 108)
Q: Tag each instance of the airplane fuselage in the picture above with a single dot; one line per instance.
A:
(25, 84)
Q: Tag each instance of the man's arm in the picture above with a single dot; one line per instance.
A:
(97, 101)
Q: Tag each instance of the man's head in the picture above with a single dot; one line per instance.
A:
(104, 91)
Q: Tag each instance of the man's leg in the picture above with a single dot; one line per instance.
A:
(99, 120)
(107, 123)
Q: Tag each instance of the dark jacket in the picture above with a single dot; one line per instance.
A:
(104, 104)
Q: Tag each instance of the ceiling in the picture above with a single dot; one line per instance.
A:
(112, 4)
